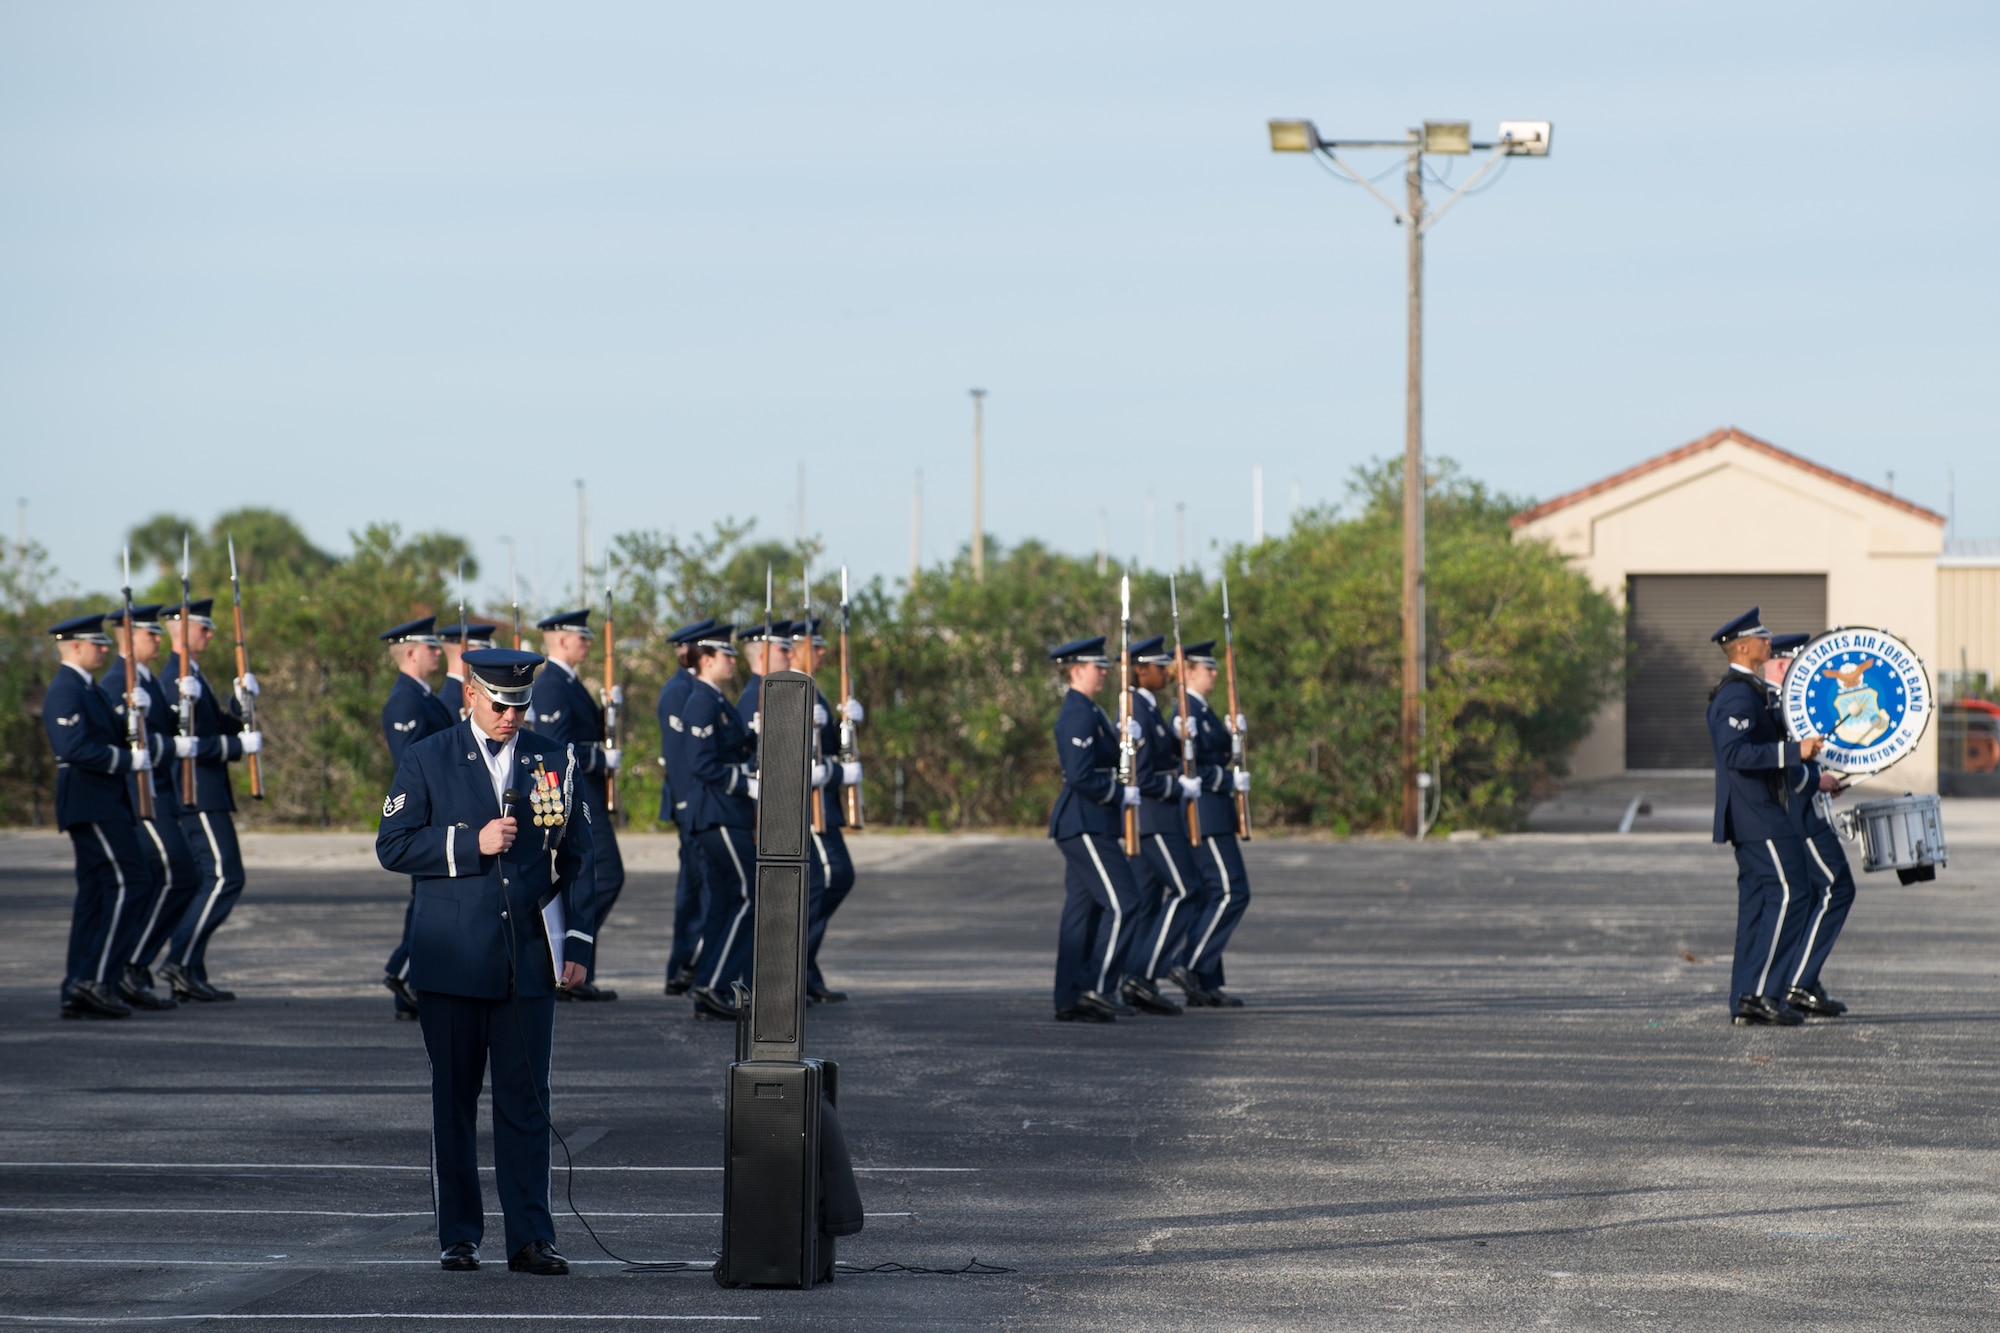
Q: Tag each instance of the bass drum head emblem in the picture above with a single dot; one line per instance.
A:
(1864, 692)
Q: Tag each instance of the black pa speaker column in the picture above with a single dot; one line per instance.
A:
(787, 1186)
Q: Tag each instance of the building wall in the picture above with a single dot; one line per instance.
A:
(1969, 616)
(1733, 509)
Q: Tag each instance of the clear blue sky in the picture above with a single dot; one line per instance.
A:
(431, 263)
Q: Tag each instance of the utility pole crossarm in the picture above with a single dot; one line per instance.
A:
(1500, 150)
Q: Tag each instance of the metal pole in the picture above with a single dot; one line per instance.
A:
(1256, 503)
(582, 547)
(1180, 536)
(1413, 507)
(978, 472)
(917, 529)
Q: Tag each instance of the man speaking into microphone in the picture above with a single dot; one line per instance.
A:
(492, 825)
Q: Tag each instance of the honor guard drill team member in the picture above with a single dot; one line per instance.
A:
(565, 711)
(210, 825)
(1829, 879)
(1164, 870)
(1087, 825)
(171, 860)
(1226, 887)
(1755, 769)
(832, 877)
(457, 639)
(113, 885)
(494, 825)
(412, 713)
(718, 752)
(684, 951)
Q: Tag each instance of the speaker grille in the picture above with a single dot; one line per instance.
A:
(780, 953)
(784, 765)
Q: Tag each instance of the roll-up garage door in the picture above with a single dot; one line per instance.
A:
(1673, 665)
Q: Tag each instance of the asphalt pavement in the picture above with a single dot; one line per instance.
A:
(1478, 1085)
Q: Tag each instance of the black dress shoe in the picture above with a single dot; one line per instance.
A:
(93, 999)
(1079, 1013)
(136, 988)
(538, 1257)
(1763, 1011)
(406, 998)
(707, 1004)
(1814, 1003)
(591, 993)
(1092, 1000)
(1196, 993)
(680, 982)
(460, 1258)
(187, 986)
(1217, 999)
(821, 995)
(1148, 1000)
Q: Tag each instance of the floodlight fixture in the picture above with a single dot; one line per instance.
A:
(1525, 138)
(1448, 136)
(1294, 136)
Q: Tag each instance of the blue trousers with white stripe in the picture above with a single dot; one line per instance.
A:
(1831, 898)
(689, 905)
(1227, 887)
(832, 879)
(1172, 894)
(1772, 895)
(729, 927)
(1099, 895)
(211, 834)
(114, 896)
(175, 871)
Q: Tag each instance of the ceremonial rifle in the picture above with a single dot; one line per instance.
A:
(245, 699)
(1188, 769)
(610, 701)
(850, 744)
(1235, 733)
(1127, 750)
(464, 639)
(514, 595)
(135, 713)
(818, 755)
(186, 700)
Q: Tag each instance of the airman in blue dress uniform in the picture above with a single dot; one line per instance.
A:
(1755, 771)
(457, 640)
(1087, 827)
(498, 831)
(412, 713)
(170, 858)
(1829, 879)
(210, 825)
(1226, 884)
(113, 883)
(831, 876)
(1169, 884)
(719, 752)
(565, 711)
(685, 950)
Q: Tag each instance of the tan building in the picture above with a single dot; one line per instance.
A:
(1690, 538)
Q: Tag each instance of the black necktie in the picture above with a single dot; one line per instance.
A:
(494, 747)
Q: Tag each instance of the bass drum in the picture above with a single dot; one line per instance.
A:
(1904, 834)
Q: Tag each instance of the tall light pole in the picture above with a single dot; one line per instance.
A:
(978, 476)
(1518, 138)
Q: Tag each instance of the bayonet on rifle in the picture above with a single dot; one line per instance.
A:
(818, 751)
(1188, 769)
(246, 700)
(850, 744)
(135, 712)
(609, 697)
(1127, 749)
(1235, 733)
(186, 699)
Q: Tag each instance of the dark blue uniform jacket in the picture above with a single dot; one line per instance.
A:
(451, 693)
(1087, 749)
(564, 710)
(158, 715)
(1158, 766)
(91, 755)
(830, 794)
(411, 714)
(673, 753)
(217, 726)
(478, 924)
(1216, 809)
(1754, 764)
(717, 749)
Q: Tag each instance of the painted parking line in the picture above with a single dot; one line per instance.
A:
(382, 1166)
(96, 1321)
(326, 1212)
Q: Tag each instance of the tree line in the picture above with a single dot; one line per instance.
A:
(960, 695)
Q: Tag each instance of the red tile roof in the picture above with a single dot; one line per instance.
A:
(1711, 441)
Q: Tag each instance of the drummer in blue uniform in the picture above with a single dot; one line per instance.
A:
(1087, 824)
(565, 711)
(457, 639)
(685, 949)
(1829, 879)
(219, 740)
(170, 858)
(1169, 884)
(412, 713)
(1225, 882)
(491, 821)
(1755, 768)
(832, 869)
(93, 806)
(718, 753)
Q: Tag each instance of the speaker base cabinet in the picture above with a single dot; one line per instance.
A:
(788, 1187)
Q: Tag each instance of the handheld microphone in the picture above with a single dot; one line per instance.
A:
(508, 800)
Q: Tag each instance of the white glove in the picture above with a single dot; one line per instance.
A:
(850, 774)
(819, 715)
(1133, 729)
(141, 761)
(1128, 796)
(757, 720)
(188, 686)
(247, 684)
(611, 757)
(751, 785)
(617, 696)
(1180, 726)
(1242, 725)
(854, 711)
(820, 775)
(184, 747)
(253, 741)
(1190, 788)
(1242, 780)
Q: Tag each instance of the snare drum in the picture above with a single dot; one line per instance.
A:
(1904, 834)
